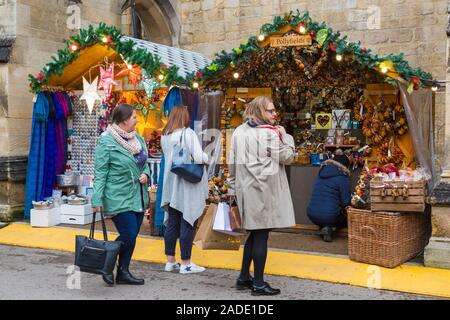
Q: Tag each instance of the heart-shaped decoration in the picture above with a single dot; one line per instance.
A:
(323, 120)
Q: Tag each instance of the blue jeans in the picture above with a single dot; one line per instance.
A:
(128, 225)
(176, 228)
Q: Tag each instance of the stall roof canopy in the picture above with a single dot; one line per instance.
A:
(186, 61)
(95, 44)
(229, 69)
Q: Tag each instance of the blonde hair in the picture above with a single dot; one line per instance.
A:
(256, 108)
(178, 119)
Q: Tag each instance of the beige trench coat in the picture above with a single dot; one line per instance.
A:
(257, 177)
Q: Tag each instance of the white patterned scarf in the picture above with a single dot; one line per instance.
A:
(127, 140)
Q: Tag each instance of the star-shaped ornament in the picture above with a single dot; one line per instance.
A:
(90, 94)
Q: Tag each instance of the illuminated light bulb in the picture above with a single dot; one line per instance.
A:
(338, 57)
(235, 75)
(434, 88)
(74, 47)
(104, 39)
(160, 77)
(384, 69)
(195, 85)
(261, 37)
(302, 29)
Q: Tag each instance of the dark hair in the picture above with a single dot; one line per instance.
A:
(121, 113)
(342, 159)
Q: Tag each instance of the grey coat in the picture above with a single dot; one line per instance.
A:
(186, 197)
(257, 177)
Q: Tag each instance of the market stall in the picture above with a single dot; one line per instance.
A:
(75, 96)
(330, 94)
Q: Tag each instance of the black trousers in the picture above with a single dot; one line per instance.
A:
(255, 250)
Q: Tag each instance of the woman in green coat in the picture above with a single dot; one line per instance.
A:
(120, 185)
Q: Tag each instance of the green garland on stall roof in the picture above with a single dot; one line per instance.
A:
(93, 35)
(365, 57)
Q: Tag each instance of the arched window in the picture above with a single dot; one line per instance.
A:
(155, 21)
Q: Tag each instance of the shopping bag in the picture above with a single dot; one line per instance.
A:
(208, 239)
(222, 220)
(235, 218)
(96, 256)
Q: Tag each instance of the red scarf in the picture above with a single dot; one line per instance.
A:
(274, 129)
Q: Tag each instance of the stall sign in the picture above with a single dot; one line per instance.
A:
(291, 41)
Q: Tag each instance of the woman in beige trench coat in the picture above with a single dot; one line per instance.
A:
(257, 178)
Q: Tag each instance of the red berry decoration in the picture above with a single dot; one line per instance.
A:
(364, 49)
(198, 74)
(312, 34)
(415, 80)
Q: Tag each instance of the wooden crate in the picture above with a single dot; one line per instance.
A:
(399, 196)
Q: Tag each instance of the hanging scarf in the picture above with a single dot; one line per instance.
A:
(127, 140)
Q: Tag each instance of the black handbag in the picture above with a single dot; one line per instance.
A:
(96, 256)
(183, 164)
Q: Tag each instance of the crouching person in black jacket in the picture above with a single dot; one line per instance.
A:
(331, 194)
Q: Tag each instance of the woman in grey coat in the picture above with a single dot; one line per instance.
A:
(257, 177)
(182, 201)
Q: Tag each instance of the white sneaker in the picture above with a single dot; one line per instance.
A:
(170, 266)
(191, 268)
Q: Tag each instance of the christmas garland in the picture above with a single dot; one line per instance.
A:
(111, 37)
(328, 40)
(323, 36)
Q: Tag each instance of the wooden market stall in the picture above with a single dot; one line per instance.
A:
(329, 94)
(98, 69)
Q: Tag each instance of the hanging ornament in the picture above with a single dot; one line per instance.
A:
(130, 97)
(148, 83)
(107, 80)
(134, 74)
(90, 93)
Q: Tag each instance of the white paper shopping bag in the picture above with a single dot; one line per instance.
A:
(222, 220)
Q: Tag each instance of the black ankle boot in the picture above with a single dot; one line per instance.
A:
(266, 290)
(244, 284)
(125, 277)
(108, 278)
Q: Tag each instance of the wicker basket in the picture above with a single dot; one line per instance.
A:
(387, 239)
